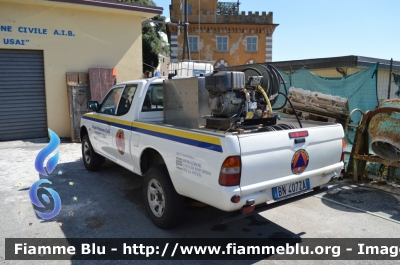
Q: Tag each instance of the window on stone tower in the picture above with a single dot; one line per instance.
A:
(251, 44)
(184, 9)
(194, 43)
(222, 44)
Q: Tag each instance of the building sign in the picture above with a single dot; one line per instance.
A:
(26, 32)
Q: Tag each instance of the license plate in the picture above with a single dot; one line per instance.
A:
(290, 188)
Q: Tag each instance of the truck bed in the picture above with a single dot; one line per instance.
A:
(203, 129)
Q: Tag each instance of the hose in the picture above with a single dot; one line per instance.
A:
(249, 115)
(295, 112)
(274, 80)
(271, 82)
(266, 98)
(252, 69)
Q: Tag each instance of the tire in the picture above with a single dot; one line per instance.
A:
(91, 159)
(163, 204)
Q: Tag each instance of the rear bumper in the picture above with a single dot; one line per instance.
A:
(264, 207)
(262, 192)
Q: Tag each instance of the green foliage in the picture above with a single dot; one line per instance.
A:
(152, 42)
(227, 8)
(142, 2)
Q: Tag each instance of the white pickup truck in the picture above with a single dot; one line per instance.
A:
(211, 139)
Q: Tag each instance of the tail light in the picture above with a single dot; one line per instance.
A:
(230, 171)
(298, 134)
(343, 149)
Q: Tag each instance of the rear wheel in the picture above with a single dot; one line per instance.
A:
(163, 204)
(91, 159)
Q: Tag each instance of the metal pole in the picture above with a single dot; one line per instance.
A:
(187, 29)
(199, 33)
(184, 42)
(184, 47)
(390, 77)
(184, 29)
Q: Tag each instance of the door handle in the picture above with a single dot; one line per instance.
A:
(299, 140)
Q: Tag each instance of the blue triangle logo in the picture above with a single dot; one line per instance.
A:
(300, 162)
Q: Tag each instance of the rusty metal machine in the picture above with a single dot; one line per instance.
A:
(384, 130)
(379, 130)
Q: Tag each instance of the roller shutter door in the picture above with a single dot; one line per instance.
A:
(22, 95)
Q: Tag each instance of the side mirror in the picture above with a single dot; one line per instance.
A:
(93, 106)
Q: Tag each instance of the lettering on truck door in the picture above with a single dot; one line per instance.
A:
(102, 120)
(121, 130)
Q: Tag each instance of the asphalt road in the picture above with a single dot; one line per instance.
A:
(109, 204)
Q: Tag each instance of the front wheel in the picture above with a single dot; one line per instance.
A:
(163, 204)
(91, 159)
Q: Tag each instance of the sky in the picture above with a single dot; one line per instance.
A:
(311, 29)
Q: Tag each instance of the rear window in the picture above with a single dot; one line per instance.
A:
(153, 100)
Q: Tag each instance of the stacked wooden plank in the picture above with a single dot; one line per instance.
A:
(311, 105)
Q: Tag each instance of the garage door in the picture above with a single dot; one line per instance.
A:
(22, 95)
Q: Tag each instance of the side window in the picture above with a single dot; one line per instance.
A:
(222, 44)
(153, 100)
(193, 43)
(251, 44)
(189, 8)
(110, 102)
(126, 99)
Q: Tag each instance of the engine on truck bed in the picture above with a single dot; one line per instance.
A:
(237, 104)
(221, 101)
